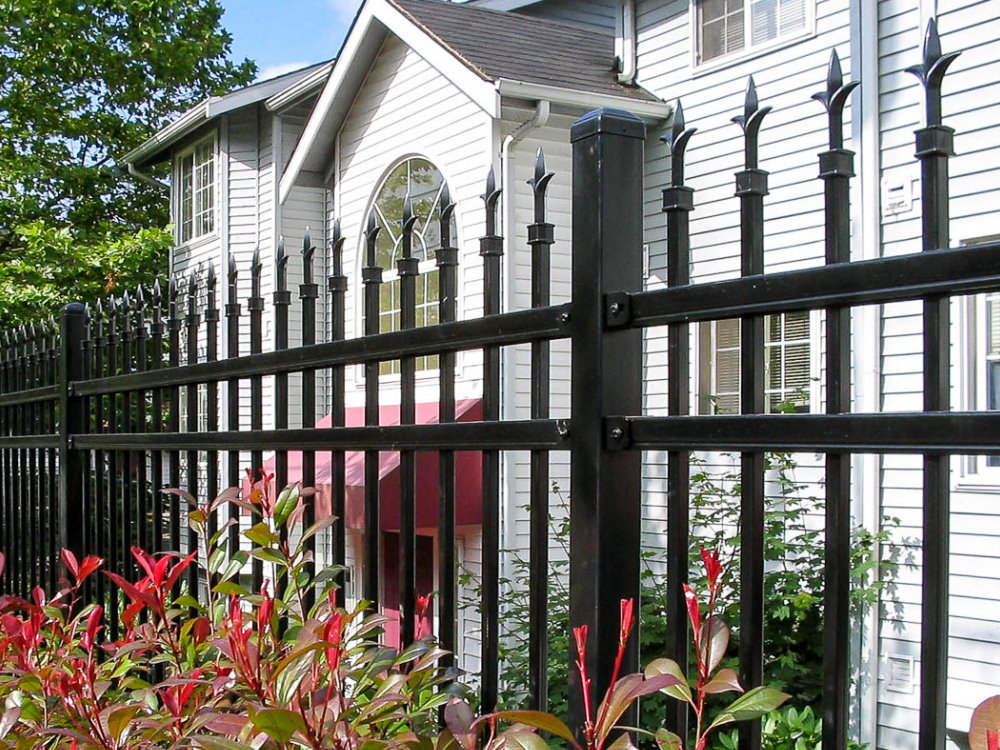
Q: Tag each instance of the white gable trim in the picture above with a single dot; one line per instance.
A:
(375, 14)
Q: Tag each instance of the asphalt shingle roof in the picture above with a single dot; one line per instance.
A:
(498, 45)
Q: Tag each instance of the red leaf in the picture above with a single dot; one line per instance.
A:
(69, 560)
(179, 568)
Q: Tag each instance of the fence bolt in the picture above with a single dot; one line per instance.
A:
(564, 318)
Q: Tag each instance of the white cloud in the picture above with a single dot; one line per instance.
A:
(344, 10)
(273, 71)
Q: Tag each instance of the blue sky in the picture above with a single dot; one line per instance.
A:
(282, 35)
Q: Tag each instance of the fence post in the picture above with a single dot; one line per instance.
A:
(605, 501)
(72, 421)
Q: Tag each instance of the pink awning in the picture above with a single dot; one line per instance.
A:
(468, 472)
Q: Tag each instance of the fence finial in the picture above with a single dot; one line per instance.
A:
(447, 209)
(834, 99)
(256, 268)
(371, 236)
(211, 285)
(409, 224)
(678, 139)
(140, 299)
(281, 266)
(931, 72)
(337, 249)
(308, 252)
(491, 197)
(750, 121)
(539, 183)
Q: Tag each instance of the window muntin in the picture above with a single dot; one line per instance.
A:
(423, 182)
(787, 358)
(728, 26)
(196, 204)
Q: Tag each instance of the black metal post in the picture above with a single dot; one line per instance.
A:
(605, 498)
(309, 293)
(140, 337)
(751, 187)
(491, 250)
(678, 202)
(156, 331)
(282, 301)
(446, 259)
(212, 399)
(935, 143)
(255, 306)
(337, 287)
(102, 530)
(408, 267)
(541, 236)
(174, 326)
(233, 312)
(836, 167)
(72, 474)
(193, 324)
(128, 499)
(371, 277)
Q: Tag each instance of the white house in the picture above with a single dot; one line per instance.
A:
(424, 91)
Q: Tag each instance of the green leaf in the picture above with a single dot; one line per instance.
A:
(261, 535)
(269, 555)
(624, 742)
(681, 691)
(667, 740)
(278, 723)
(230, 588)
(288, 498)
(209, 742)
(751, 705)
(539, 720)
(120, 719)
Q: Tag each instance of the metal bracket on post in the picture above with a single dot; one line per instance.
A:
(617, 309)
(617, 434)
(72, 421)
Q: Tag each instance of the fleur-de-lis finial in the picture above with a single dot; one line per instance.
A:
(337, 248)
(539, 184)
(409, 224)
(491, 198)
(750, 121)
(931, 72)
(678, 139)
(834, 99)
(447, 209)
(371, 235)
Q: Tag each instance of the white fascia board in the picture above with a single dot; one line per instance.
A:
(647, 110)
(303, 87)
(382, 13)
(186, 123)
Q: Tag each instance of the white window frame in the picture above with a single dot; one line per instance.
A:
(198, 189)
(705, 334)
(973, 355)
(749, 49)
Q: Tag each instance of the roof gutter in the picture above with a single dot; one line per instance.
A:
(143, 177)
(646, 109)
(189, 121)
(300, 89)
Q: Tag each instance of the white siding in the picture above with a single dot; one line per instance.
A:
(406, 108)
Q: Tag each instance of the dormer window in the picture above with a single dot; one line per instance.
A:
(196, 191)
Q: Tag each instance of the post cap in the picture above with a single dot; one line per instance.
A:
(610, 121)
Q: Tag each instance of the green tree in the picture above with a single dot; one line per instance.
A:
(81, 84)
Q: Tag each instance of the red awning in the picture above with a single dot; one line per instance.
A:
(468, 472)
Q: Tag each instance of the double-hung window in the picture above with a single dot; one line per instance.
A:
(725, 27)
(788, 364)
(196, 195)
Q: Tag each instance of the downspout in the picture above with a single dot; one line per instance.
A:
(629, 59)
(143, 177)
(540, 118)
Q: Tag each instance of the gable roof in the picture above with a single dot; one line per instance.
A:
(281, 89)
(499, 45)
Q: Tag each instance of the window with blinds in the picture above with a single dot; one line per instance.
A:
(788, 358)
(991, 364)
(729, 26)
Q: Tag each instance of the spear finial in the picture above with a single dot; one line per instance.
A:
(491, 197)
(931, 72)
(409, 222)
(678, 139)
(750, 121)
(834, 99)
(371, 235)
(281, 265)
(539, 183)
(447, 209)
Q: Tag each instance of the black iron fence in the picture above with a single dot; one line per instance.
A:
(91, 413)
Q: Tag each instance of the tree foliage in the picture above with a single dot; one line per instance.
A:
(81, 84)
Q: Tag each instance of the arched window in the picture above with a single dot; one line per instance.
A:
(422, 181)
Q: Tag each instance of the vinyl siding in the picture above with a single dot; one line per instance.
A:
(407, 108)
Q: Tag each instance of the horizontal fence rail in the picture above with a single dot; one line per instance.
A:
(180, 388)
